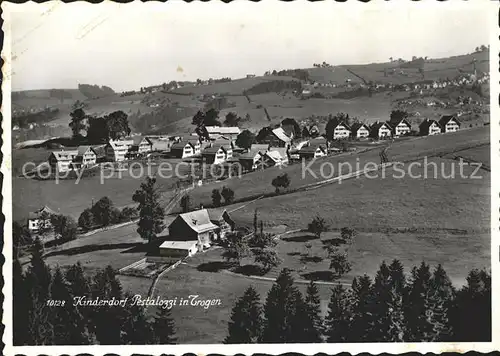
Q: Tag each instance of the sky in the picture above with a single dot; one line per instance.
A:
(126, 46)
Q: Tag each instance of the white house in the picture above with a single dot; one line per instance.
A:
(86, 156)
(380, 130)
(62, 160)
(341, 131)
(34, 218)
(117, 150)
(429, 127)
(142, 145)
(449, 123)
(360, 130)
(184, 149)
(400, 127)
(217, 154)
(312, 151)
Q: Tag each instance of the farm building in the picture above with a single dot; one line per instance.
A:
(360, 130)
(312, 151)
(400, 127)
(276, 138)
(215, 132)
(184, 149)
(380, 130)
(449, 123)
(34, 217)
(178, 249)
(86, 156)
(429, 127)
(193, 226)
(217, 154)
(117, 150)
(62, 160)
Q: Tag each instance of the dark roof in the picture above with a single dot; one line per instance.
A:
(311, 149)
(180, 145)
(138, 139)
(357, 125)
(424, 125)
(198, 220)
(213, 150)
(394, 123)
(446, 118)
(378, 125)
(83, 149)
(44, 209)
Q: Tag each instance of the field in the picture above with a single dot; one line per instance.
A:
(440, 68)
(234, 87)
(70, 198)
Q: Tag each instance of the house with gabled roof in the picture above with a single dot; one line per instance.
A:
(400, 127)
(34, 217)
(429, 127)
(141, 145)
(87, 156)
(116, 150)
(193, 226)
(248, 160)
(185, 149)
(341, 130)
(360, 130)
(449, 123)
(380, 129)
(312, 151)
(217, 154)
(275, 156)
(62, 160)
(276, 138)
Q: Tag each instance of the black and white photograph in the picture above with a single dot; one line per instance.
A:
(291, 176)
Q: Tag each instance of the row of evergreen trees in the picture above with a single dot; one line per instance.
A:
(39, 322)
(391, 308)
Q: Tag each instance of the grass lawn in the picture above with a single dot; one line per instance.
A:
(478, 154)
(70, 198)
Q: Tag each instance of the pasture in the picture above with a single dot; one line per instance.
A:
(71, 197)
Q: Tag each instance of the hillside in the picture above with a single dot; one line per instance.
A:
(336, 89)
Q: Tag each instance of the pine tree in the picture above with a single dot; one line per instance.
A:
(150, 210)
(68, 324)
(137, 329)
(107, 320)
(38, 279)
(280, 310)
(337, 321)
(396, 321)
(164, 327)
(20, 303)
(441, 296)
(246, 319)
(255, 217)
(382, 294)
(362, 318)
(417, 305)
(313, 323)
(470, 316)
(398, 278)
(78, 283)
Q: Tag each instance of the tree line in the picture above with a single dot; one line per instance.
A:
(393, 307)
(38, 321)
